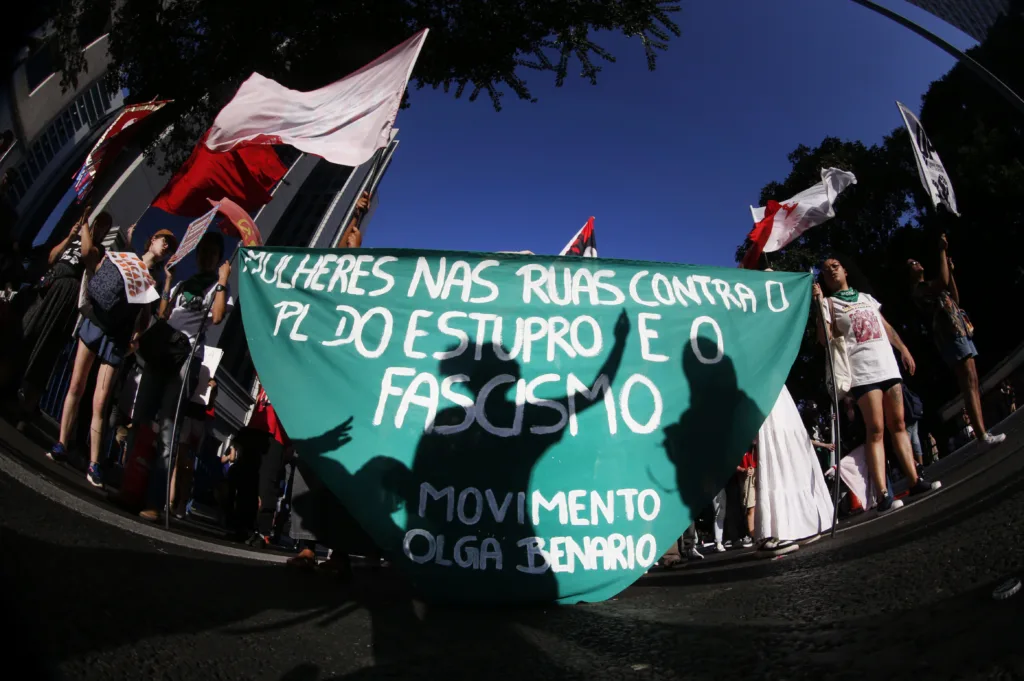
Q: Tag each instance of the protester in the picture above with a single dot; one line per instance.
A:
(913, 412)
(109, 330)
(875, 376)
(47, 323)
(719, 503)
(196, 417)
(686, 546)
(164, 348)
(952, 333)
(792, 499)
(747, 471)
(1009, 397)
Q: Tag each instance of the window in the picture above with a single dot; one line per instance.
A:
(82, 112)
(41, 65)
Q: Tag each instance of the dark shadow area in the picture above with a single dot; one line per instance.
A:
(708, 441)
(462, 459)
(83, 606)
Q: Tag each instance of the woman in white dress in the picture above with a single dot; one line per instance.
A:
(792, 499)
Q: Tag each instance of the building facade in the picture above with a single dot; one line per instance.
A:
(973, 17)
(46, 131)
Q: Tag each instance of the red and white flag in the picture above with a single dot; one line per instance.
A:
(584, 244)
(344, 122)
(111, 142)
(777, 224)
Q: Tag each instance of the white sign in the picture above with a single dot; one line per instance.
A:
(933, 174)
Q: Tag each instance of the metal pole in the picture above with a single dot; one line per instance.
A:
(835, 407)
(980, 71)
(172, 456)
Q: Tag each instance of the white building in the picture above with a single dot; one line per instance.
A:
(52, 130)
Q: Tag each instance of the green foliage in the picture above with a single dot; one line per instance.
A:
(198, 52)
(887, 218)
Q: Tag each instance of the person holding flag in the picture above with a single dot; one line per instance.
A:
(876, 378)
(939, 299)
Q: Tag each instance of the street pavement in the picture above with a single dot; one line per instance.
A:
(92, 594)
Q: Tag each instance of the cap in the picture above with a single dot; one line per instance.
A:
(171, 239)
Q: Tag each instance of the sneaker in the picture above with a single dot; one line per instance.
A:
(57, 453)
(94, 475)
(887, 504)
(747, 542)
(924, 486)
(694, 554)
(719, 547)
(990, 440)
(774, 547)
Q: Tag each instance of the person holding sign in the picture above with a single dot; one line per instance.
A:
(114, 311)
(952, 333)
(165, 348)
(876, 378)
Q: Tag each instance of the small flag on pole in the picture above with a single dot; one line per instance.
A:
(584, 243)
(110, 144)
(929, 166)
(777, 224)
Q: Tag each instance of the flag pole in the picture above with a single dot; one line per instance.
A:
(172, 456)
(835, 410)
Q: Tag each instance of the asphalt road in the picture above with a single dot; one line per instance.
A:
(902, 596)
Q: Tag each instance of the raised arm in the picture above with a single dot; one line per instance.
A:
(220, 298)
(165, 297)
(65, 242)
(610, 368)
(90, 253)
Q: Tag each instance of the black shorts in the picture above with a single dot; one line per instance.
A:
(860, 391)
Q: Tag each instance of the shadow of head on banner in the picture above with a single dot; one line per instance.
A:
(708, 441)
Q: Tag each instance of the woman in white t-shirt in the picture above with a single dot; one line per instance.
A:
(870, 340)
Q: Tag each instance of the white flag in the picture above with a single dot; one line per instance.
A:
(344, 122)
(929, 166)
(788, 219)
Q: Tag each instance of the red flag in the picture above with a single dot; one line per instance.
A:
(241, 225)
(584, 244)
(110, 144)
(244, 175)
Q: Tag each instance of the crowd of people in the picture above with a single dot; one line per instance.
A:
(784, 496)
(780, 483)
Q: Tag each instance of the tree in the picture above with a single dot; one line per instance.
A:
(887, 217)
(198, 52)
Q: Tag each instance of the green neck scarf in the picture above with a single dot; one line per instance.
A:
(847, 296)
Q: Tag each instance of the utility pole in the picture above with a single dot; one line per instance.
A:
(987, 76)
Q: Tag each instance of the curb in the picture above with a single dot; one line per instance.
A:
(20, 473)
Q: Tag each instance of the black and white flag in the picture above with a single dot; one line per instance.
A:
(933, 175)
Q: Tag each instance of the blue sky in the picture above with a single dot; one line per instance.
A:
(668, 162)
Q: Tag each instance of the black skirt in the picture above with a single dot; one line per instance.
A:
(47, 326)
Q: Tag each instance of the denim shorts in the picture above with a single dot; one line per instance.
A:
(859, 391)
(956, 350)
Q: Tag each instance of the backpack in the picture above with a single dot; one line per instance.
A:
(913, 407)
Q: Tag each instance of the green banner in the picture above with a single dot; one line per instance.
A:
(518, 427)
